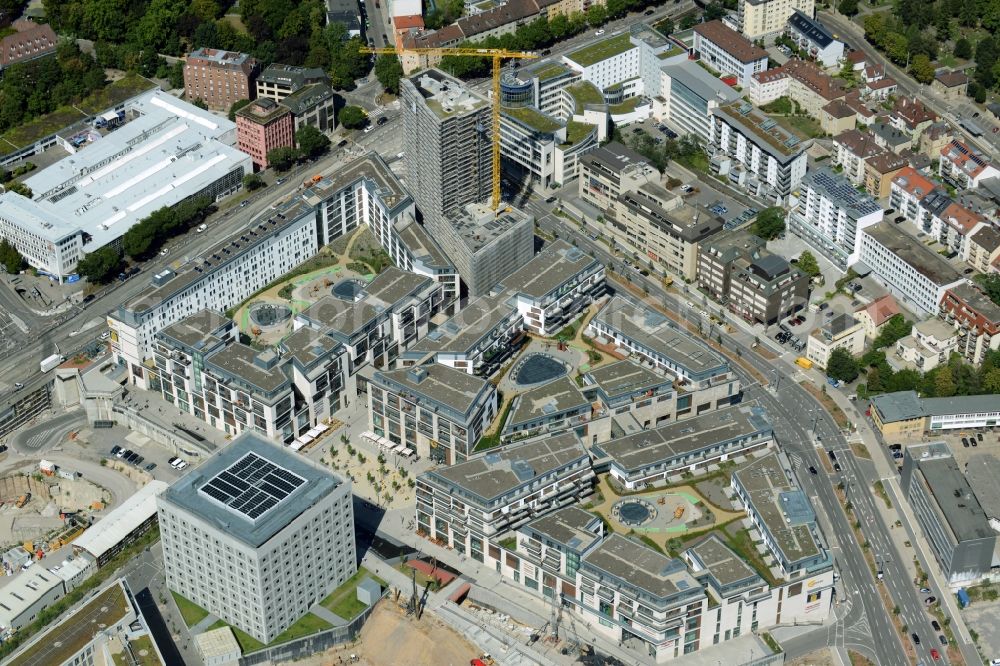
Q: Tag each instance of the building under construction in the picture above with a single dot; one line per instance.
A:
(447, 142)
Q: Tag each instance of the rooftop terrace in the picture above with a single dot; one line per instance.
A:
(602, 50)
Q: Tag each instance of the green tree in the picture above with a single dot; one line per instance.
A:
(200, 103)
(991, 381)
(236, 106)
(990, 284)
(842, 366)
(253, 181)
(353, 117)
(944, 384)
(20, 188)
(714, 11)
(895, 329)
(848, 7)
(139, 240)
(101, 265)
(921, 68)
(388, 71)
(596, 15)
(963, 49)
(282, 159)
(311, 142)
(11, 259)
(808, 264)
(770, 223)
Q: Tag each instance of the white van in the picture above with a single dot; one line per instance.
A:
(202, 227)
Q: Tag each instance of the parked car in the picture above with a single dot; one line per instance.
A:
(935, 654)
(812, 469)
(832, 454)
(930, 600)
(150, 467)
(115, 449)
(599, 33)
(942, 639)
(965, 442)
(925, 590)
(836, 467)
(123, 453)
(937, 627)
(916, 639)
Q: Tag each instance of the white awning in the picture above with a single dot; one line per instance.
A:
(322, 427)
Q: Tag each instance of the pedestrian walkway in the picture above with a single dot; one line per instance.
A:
(329, 616)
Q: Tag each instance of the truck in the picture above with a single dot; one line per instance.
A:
(51, 362)
(309, 182)
(803, 362)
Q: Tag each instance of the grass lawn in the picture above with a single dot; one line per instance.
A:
(628, 106)
(602, 50)
(39, 128)
(344, 600)
(585, 93)
(307, 625)
(143, 643)
(804, 125)
(191, 612)
(115, 93)
(550, 71)
(577, 132)
(532, 118)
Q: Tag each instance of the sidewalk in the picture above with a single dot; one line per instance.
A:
(910, 530)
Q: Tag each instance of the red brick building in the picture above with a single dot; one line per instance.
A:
(263, 126)
(219, 78)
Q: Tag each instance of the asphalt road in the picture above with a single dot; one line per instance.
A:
(71, 335)
(866, 625)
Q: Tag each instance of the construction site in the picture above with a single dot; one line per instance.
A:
(43, 508)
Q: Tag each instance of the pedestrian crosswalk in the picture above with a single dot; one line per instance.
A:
(795, 459)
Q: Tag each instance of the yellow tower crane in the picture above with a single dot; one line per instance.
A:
(497, 55)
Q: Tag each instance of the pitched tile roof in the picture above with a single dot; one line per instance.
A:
(730, 41)
(881, 309)
(951, 79)
(913, 182)
(29, 42)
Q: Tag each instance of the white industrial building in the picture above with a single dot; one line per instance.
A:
(167, 152)
(221, 277)
(257, 535)
(831, 215)
(912, 272)
(123, 524)
(28, 595)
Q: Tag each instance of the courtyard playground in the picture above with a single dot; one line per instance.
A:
(663, 514)
(341, 269)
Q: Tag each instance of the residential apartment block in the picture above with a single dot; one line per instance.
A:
(470, 503)
(656, 456)
(223, 276)
(691, 95)
(813, 37)
(784, 516)
(929, 345)
(380, 320)
(205, 371)
(727, 51)
(434, 410)
(964, 167)
(610, 170)
(764, 288)
(257, 536)
(314, 106)
(220, 78)
(831, 216)
(770, 160)
(760, 19)
(552, 289)
(842, 331)
(910, 270)
(977, 318)
(652, 338)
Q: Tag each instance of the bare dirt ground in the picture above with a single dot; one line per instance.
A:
(821, 657)
(389, 637)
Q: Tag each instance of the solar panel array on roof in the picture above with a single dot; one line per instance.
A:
(252, 486)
